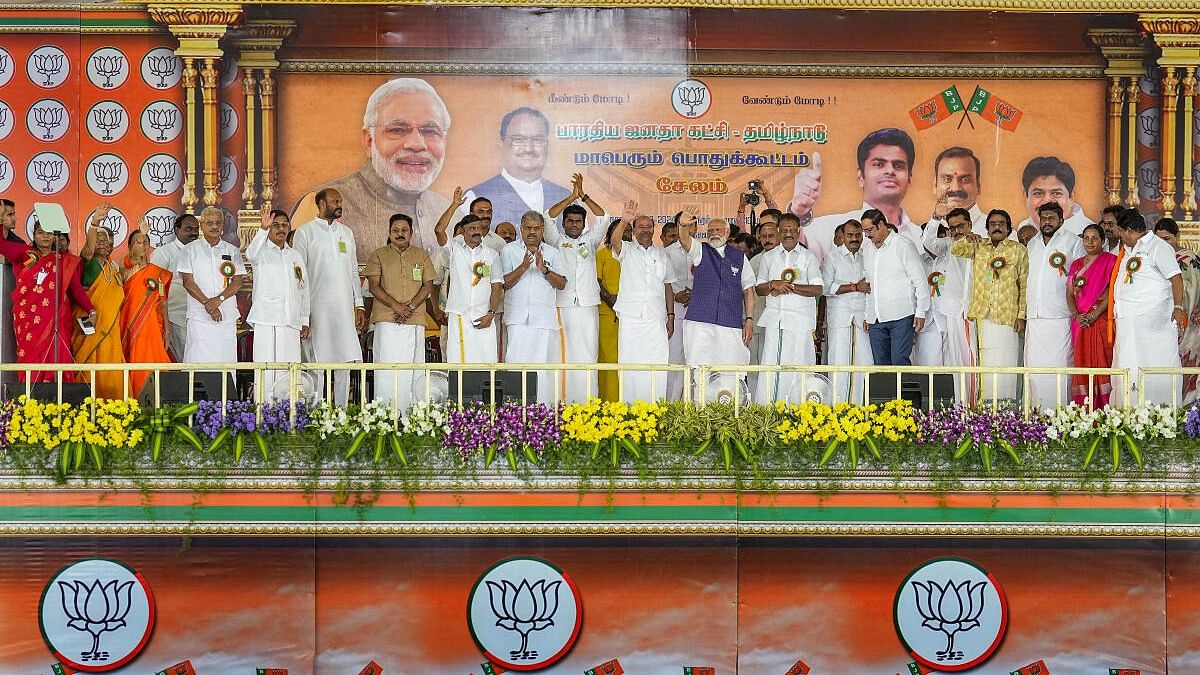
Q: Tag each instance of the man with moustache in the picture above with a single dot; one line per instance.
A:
(400, 278)
(481, 208)
(1049, 179)
(789, 277)
(519, 187)
(1048, 316)
(404, 132)
(681, 272)
(579, 300)
(533, 271)
(845, 313)
(279, 312)
(999, 272)
(473, 298)
(644, 305)
(720, 320)
(956, 185)
(768, 238)
(899, 297)
(949, 290)
(337, 314)
(168, 256)
(1108, 223)
(212, 271)
(885, 160)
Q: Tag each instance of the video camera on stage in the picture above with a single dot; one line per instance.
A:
(752, 196)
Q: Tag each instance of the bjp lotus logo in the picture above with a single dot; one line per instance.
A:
(96, 614)
(691, 98)
(950, 614)
(524, 613)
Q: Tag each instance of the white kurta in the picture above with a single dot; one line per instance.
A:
(531, 315)
(330, 255)
(681, 270)
(1048, 322)
(467, 301)
(210, 341)
(787, 321)
(1146, 334)
(279, 308)
(642, 316)
(847, 343)
(578, 302)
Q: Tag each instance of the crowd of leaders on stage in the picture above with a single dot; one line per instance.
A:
(578, 285)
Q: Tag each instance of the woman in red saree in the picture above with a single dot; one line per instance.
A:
(38, 286)
(143, 316)
(1087, 296)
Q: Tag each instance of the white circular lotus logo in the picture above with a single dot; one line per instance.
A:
(115, 221)
(162, 121)
(47, 173)
(950, 614)
(6, 66)
(107, 121)
(6, 120)
(691, 98)
(107, 68)
(524, 613)
(48, 66)
(96, 614)
(107, 174)
(161, 69)
(48, 120)
(6, 174)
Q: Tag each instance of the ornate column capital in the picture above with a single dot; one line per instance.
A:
(259, 40)
(198, 27)
(1125, 49)
(1176, 35)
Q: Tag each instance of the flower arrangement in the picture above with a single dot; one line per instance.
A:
(98, 423)
(514, 428)
(1119, 426)
(984, 430)
(814, 423)
(613, 422)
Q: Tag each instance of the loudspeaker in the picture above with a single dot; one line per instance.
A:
(174, 388)
(914, 387)
(72, 392)
(477, 383)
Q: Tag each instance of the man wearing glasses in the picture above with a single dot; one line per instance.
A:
(404, 137)
(519, 187)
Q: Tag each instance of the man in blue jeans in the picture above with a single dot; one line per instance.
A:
(898, 297)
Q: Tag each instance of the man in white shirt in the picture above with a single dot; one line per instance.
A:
(789, 277)
(885, 161)
(212, 270)
(767, 235)
(480, 208)
(1047, 315)
(337, 314)
(532, 273)
(579, 300)
(949, 295)
(167, 256)
(472, 299)
(643, 307)
(845, 314)
(720, 319)
(1148, 306)
(899, 295)
(279, 311)
(681, 272)
(1049, 179)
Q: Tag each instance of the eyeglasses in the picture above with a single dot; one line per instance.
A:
(535, 141)
(430, 132)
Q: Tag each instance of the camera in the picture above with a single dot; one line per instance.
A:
(752, 197)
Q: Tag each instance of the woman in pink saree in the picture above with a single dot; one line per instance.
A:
(1087, 296)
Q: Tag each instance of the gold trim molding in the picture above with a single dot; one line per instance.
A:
(1058, 6)
(698, 69)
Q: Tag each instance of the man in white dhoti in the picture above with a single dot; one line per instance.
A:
(1048, 318)
(1148, 307)
(337, 314)
(473, 298)
(768, 237)
(167, 256)
(720, 319)
(579, 300)
(949, 292)
(644, 306)
(280, 307)
(845, 311)
(789, 277)
(532, 273)
(400, 278)
(999, 271)
(681, 272)
(212, 271)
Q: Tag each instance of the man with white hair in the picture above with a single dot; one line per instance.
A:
(533, 272)
(404, 137)
(644, 305)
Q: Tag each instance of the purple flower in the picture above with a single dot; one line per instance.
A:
(950, 426)
(514, 426)
(6, 414)
(1191, 420)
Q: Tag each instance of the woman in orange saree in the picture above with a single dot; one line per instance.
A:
(102, 278)
(143, 316)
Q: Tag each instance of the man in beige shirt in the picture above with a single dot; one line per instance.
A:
(999, 273)
(400, 277)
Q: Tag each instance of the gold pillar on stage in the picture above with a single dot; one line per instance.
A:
(257, 45)
(1178, 40)
(1125, 52)
(199, 29)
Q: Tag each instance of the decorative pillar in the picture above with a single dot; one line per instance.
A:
(1170, 99)
(1125, 52)
(1178, 38)
(257, 45)
(1187, 148)
(199, 29)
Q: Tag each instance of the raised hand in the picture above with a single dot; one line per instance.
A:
(941, 207)
(456, 200)
(101, 212)
(577, 185)
(630, 212)
(807, 188)
(691, 213)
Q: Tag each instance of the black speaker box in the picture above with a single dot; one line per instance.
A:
(72, 392)
(913, 387)
(477, 383)
(174, 388)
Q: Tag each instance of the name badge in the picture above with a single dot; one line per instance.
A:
(416, 274)
(341, 245)
(41, 276)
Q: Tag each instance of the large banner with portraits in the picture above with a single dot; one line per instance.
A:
(826, 146)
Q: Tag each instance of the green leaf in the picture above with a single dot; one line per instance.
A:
(219, 441)
(262, 445)
(96, 458)
(239, 444)
(378, 448)
(512, 459)
(873, 446)
(703, 446)
(963, 446)
(64, 459)
(1134, 450)
(355, 444)
(632, 448)
(489, 456)
(186, 411)
(1091, 451)
(156, 445)
(398, 448)
(188, 435)
(829, 450)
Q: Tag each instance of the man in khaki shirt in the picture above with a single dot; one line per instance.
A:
(400, 277)
(999, 273)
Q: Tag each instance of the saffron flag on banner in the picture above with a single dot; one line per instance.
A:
(1124, 671)
(607, 668)
(490, 668)
(932, 110)
(699, 670)
(181, 668)
(995, 109)
(272, 671)
(1035, 668)
(371, 668)
(799, 668)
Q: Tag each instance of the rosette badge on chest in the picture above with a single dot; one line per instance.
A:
(1131, 268)
(1058, 260)
(997, 264)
